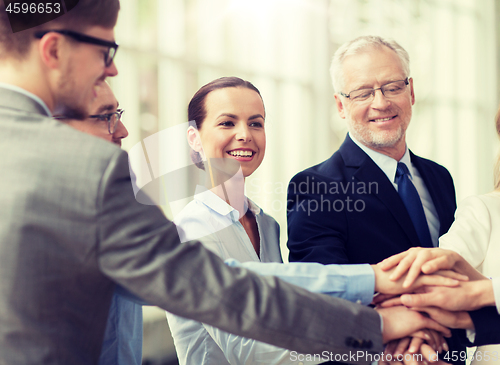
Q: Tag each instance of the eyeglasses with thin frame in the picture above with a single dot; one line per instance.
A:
(111, 118)
(112, 46)
(389, 90)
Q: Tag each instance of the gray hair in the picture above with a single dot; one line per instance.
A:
(356, 46)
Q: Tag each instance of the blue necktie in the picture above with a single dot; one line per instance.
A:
(413, 204)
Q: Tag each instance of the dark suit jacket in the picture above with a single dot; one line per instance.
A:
(346, 211)
(487, 326)
(70, 228)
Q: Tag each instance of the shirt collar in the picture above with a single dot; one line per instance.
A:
(387, 164)
(214, 202)
(28, 94)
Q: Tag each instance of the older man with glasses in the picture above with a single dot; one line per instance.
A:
(373, 198)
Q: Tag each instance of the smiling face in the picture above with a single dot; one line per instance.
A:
(103, 104)
(381, 123)
(83, 73)
(233, 127)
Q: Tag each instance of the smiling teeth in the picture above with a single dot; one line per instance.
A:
(241, 153)
(383, 120)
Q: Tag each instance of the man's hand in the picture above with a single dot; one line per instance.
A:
(384, 284)
(447, 318)
(399, 322)
(428, 261)
(466, 296)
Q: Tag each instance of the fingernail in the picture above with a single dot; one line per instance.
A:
(412, 349)
(427, 337)
(445, 346)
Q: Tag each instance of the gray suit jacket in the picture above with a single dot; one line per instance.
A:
(70, 228)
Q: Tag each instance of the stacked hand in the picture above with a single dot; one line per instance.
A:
(439, 285)
(419, 348)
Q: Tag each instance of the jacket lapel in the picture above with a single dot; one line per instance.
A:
(365, 170)
(433, 186)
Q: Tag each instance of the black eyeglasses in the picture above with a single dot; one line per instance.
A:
(111, 118)
(388, 90)
(112, 46)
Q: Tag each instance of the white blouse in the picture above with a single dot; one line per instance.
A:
(216, 223)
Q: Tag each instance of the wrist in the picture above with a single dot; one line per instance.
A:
(464, 321)
(484, 294)
(463, 267)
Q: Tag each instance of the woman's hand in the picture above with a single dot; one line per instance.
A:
(384, 282)
(418, 260)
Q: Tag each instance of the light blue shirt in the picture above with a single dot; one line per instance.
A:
(123, 336)
(197, 343)
(389, 165)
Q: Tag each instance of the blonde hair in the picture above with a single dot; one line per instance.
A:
(497, 164)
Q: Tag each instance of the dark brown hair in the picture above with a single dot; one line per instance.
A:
(197, 111)
(86, 13)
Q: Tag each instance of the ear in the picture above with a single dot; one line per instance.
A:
(412, 91)
(193, 137)
(52, 50)
(340, 106)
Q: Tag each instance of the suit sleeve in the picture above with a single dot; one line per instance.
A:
(140, 249)
(487, 321)
(487, 326)
(317, 231)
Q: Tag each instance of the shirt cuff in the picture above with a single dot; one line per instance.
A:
(360, 283)
(496, 291)
(471, 335)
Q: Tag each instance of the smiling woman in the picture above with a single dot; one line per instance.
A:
(233, 126)
(227, 133)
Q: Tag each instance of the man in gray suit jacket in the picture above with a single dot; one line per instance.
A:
(70, 227)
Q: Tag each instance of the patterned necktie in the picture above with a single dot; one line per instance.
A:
(413, 204)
